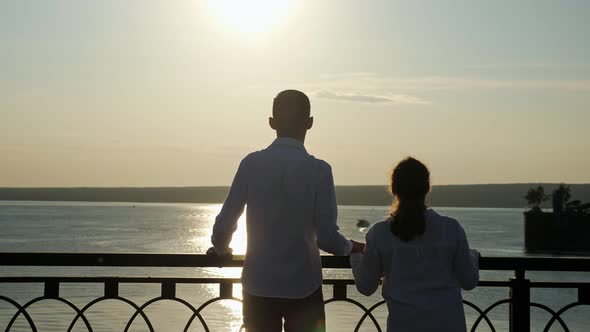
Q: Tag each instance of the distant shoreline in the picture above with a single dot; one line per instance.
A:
(478, 196)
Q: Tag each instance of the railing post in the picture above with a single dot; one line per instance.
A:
(51, 289)
(169, 290)
(111, 289)
(340, 291)
(226, 290)
(520, 303)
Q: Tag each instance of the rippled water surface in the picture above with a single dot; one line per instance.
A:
(186, 228)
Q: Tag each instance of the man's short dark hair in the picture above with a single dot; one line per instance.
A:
(291, 106)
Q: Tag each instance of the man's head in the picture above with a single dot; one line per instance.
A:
(291, 114)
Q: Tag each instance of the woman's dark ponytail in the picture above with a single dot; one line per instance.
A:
(410, 183)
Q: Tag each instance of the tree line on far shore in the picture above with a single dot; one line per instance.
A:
(476, 196)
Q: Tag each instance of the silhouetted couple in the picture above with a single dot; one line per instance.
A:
(423, 258)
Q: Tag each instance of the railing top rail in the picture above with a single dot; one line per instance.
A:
(581, 264)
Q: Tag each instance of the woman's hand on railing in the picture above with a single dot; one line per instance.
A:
(476, 254)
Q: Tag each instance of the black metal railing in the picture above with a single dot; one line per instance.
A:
(518, 298)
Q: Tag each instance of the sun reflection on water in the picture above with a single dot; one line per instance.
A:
(204, 219)
(239, 240)
(232, 308)
(201, 231)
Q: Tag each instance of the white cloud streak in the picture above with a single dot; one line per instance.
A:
(377, 89)
(529, 66)
(370, 98)
(376, 82)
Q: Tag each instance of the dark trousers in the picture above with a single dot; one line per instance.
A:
(266, 314)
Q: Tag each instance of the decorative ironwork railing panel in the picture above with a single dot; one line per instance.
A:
(518, 296)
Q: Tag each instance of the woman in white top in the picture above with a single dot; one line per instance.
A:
(423, 258)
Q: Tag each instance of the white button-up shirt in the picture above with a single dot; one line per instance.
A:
(422, 278)
(291, 214)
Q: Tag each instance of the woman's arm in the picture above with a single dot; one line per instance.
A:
(465, 262)
(367, 268)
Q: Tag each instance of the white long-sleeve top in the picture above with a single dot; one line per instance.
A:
(291, 214)
(422, 278)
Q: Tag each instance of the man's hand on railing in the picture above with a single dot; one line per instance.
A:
(357, 247)
(212, 252)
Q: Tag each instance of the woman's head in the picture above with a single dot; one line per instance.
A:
(410, 183)
(410, 179)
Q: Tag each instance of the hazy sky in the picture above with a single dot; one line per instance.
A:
(175, 93)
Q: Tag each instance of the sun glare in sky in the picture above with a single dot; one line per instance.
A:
(253, 16)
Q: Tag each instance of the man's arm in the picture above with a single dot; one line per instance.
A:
(233, 207)
(326, 213)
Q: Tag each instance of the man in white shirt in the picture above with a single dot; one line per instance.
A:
(291, 214)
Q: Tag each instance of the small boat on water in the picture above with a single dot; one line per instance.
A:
(363, 223)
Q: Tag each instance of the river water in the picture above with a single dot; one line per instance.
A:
(186, 228)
